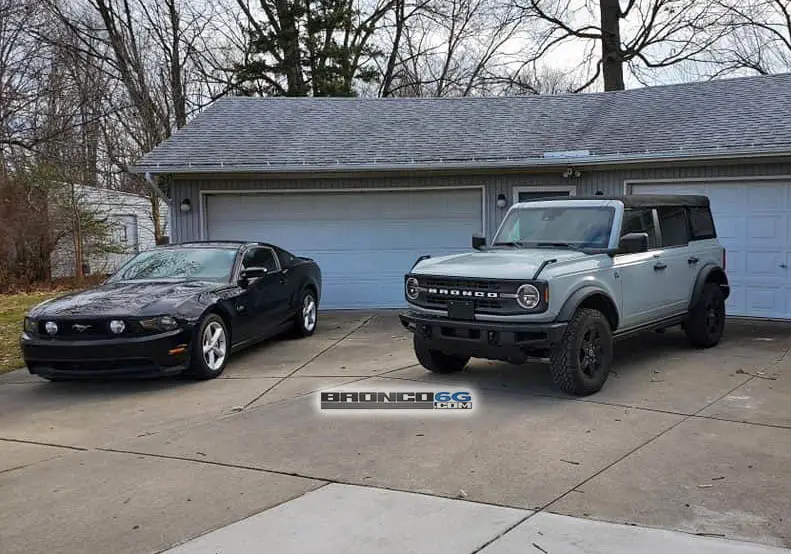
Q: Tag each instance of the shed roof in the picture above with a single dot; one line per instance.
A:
(723, 118)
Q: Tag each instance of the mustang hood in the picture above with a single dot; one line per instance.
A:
(494, 264)
(138, 298)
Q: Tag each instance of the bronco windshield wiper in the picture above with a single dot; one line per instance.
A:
(517, 244)
(558, 245)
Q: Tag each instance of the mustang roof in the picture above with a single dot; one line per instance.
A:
(745, 116)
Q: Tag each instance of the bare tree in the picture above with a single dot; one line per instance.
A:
(757, 37)
(644, 35)
(450, 47)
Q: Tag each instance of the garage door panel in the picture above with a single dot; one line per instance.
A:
(363, 241)
(753, 221)
(343, 206)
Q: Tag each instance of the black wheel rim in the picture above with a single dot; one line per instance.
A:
(715, 316)
(589, 354)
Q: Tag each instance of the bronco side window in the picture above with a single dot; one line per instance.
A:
(640, 220)
(702, 224)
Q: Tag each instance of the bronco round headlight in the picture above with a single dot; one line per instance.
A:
(117, 326)
(528, 296)
(412, 290)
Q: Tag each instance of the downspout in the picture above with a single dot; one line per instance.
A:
(153, 184)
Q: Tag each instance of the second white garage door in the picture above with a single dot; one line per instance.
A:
(753, 221)
(363, 241)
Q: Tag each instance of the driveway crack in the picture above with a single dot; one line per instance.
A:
(312, 359)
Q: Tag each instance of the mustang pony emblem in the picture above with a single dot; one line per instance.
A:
(80, 328)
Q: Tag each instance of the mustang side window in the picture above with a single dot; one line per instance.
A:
(640, 220)
(260, 257)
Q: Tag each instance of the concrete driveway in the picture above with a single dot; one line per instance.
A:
(679, 439)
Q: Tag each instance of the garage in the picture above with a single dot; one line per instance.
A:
(364, 241)
(753, 220)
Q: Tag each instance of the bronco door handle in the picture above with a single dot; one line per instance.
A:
(693, 260)
(659, 266)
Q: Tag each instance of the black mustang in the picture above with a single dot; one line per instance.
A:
(174, 309)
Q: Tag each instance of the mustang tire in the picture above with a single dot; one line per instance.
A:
(436, 361)
(307, 317)
(211, 348)
(706, 321)
(581, 362)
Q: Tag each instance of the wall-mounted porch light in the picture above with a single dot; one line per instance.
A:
(501, 201)
(186, 205)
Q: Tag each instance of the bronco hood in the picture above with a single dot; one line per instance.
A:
(124, 298)
(494, 264)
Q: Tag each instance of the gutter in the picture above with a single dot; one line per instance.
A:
(440, 165)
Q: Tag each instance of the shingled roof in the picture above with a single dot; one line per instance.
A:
(724, 118)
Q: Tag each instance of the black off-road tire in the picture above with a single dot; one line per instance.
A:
(705, 323)
(199, 368)
(437, 361)
(573, 369)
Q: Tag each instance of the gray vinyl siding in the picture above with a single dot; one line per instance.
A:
(610, 182)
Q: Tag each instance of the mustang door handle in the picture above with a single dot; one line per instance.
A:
(692, 260)
(659, 266)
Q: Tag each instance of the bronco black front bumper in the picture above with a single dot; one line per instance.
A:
(484, 339)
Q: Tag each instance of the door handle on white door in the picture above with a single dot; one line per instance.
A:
(659, 266)
(783, 266)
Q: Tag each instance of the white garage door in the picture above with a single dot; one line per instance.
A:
(363, 241)
(753, 220)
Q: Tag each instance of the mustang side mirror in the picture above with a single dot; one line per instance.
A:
(632, 243)
(251, 273)
(478, 241)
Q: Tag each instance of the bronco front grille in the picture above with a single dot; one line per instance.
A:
(487, 295)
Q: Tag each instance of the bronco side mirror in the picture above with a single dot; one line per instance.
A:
(478, 241)
(633, 243)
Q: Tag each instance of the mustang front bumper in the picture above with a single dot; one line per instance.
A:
(161, 354)
(484, 339)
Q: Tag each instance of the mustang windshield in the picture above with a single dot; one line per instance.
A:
(557, 227)
(210, 264)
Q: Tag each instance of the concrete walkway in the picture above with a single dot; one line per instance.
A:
(343, 519)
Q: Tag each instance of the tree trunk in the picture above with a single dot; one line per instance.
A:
(611, 55)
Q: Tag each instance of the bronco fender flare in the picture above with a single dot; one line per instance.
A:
(587, 292)
(709, 273)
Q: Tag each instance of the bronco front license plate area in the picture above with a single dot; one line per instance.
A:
(461, 309)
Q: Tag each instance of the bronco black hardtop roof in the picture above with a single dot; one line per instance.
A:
(641, 200)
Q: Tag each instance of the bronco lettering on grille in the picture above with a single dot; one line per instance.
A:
(467, 293)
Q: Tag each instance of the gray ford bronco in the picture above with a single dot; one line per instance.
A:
(565, 277)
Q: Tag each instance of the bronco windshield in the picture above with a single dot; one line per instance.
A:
(557, 227)
(208, 264)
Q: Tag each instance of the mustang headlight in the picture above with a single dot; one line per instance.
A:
(412, 290)
(528, 296)
(117, 326)
(164, 323)
(31, 326)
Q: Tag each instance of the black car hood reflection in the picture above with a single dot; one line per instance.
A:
(136, 298)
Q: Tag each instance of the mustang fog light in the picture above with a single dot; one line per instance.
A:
(31, 326)
(117, 326)
(412, 290)
(528, 296)
(51, 327)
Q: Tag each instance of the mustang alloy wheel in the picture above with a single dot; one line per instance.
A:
(215, 345)
(307, 318)
(210, 348)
